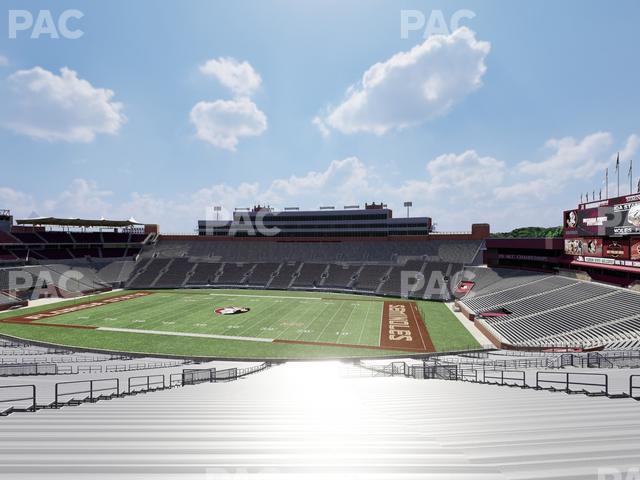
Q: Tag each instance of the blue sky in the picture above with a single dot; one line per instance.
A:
(527, 105)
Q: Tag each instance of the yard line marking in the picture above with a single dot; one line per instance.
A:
(380, 329)
(329, 322)
(366, 316)
(344, 326)
(261, 296)
(306, 327)
(184, 334)
(304, 311)
(261, 319)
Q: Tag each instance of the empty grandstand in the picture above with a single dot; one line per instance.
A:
(317, 421)
(539, 310)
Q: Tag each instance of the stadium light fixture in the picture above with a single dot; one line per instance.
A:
(408, 205)
(217, 209)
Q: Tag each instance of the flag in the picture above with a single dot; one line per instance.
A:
(639, 185)
(580, 202)
(600, 194)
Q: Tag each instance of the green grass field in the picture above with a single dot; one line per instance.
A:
(183, 322)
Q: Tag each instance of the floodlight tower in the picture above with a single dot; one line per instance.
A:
(408, 205)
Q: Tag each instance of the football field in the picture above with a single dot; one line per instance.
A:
(235, 324)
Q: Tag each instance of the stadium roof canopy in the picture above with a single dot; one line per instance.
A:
(77, 222)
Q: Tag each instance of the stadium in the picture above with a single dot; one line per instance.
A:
(97, 310)
(319, 240)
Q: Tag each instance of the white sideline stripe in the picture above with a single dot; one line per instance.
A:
(262, 296)
(184, 334)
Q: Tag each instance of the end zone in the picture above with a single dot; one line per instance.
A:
(402, 327)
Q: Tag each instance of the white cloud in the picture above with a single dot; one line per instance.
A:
(81, 198)
(4, 61)
(343, 182)
(46, 106)
(571, 158)
(630, 148)
(15, 200)
(454, 178)
(456, 189)
(321, 126)
(239, 77)
(223, 122)
(412, 87)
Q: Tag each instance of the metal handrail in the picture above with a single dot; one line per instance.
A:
(568, 383)
(633, 387)
(520, 378)
(91, 390)
(462, 375)
(32, 398)
(148, 383)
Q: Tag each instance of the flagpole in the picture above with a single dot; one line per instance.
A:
(606, 183)
(618, 172)
(630, 177)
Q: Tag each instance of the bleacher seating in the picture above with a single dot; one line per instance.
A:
(56, 237)
(361, 265)
(176, 273)
(539, 310)
(340, 275)
(232, 273)
(254, 251)
(284, 276)
(204, 274)
(494, 279)
(284, 424)
(7, 301)
(146, 275)
(392, 285)
(6, 237)
(370, 277)
(310, 275)
(113, 252)
(28, 237)
(261, 274)
(87, 237)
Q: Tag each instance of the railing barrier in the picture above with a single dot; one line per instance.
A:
(31, 398)
(571, 379)
(148, 383)
(94, 386)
